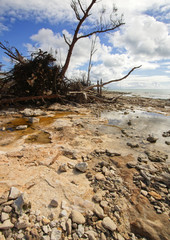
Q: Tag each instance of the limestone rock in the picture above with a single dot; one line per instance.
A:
(21, 127)
(82, 167)
(14, 193)
(99, 211)
(77, 217)
(6, 225)
(4, 216)
(109, 224)
(55, 234)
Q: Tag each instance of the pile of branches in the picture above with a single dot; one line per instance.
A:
(34, 77)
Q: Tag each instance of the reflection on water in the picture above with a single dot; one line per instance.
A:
(141, 123)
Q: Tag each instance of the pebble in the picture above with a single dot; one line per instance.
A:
(99, 211)
(54, 202)
(77, 217)
(4, 216)
(109, 224)
(82, 167)
(63, 168)
(7, 209)
(63, 213)
(14, 193)
(6, 225)
(56, 234)
(155, 195)
(80, 230)
(69, 226)
(21, 127)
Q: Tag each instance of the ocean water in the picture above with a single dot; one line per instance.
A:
(148, 93)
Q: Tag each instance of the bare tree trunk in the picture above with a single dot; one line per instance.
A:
(92, 52)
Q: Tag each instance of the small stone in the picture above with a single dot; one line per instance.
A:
(97, 198)
(102, 236)
(45, 221)
(100, 177)
(23, 222)
(20, 236)
(133, 145)
(6, 225)
(33, 120)
(131, 164)
(22, 204)
(21, 127)
(167, 142)
(155, 195)
(63, 213)
(119, 237)
(4, 216)
(56, 234)
(104, 204)
(152, 139)
(109, 224)
(7, 209)
(77, 217)
(80, 230)
(144, 193)
(63, 168)
(54, 202)
(82, 167)
(14, 193)
(69, 226)
(53, 224)
(91, 235)
(45, 229)
(99, 211)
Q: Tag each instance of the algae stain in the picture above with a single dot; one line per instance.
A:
(41, 138)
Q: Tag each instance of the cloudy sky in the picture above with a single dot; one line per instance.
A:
(143, 40)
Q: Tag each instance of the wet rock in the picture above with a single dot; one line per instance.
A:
(151, 139)
(21, 127)
(14, 193)
(156, 156)
(77, 217)
(6, 225)
(167, 142)
(166, 134)
(28, 112)
(109, 224)
(82, 167)
(33, 120)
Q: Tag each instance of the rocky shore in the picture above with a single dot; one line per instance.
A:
(68, 173)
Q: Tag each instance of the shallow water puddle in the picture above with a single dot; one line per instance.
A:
(9, 134)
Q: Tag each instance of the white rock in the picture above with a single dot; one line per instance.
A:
(14, 193)
(77, 217)
(55, 234)
(33, 120)
(109, 224)
(80, 230)
(119, 237)
(82, 167)
(7, 209)
(6, 225)
(4, 216)
(21, 127)
(63, 213)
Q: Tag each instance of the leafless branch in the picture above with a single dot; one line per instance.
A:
(65, 39)
(115, 80)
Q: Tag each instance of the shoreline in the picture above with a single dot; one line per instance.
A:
(115, 179)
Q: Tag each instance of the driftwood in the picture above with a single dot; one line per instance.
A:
(30, 98)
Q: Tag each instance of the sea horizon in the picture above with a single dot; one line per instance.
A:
(148, 93)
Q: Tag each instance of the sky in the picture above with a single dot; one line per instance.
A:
(144, 39)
